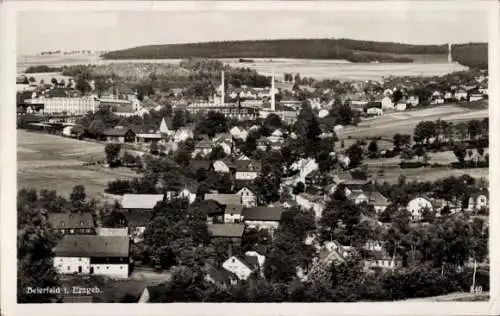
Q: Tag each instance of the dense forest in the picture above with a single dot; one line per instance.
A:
(352, 50)
(473, 55)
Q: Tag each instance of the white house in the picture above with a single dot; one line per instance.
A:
(93, 254)
(461, 95)
(401, 107)
(413, 100)
(261, 259)
(238, 133)
(248, 198)
(477, 202)
(247, 169)
(263, 217)
(221, 166)
(241, 267)
(183, 134)
(375, 111)
(387, 103)
(233, 214)
(417, 205)
(189, 192)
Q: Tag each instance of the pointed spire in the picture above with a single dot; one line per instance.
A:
(273, 98)
(222, 90)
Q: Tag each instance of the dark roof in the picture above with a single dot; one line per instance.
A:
(234, 209)
(247, 165)
(58, 93)
(250, 261)
(92, 246)
(240, 184)
(210, 206)
(221, 276)
(117, 131)
(200, 164)
(224, 199)
(71, 220)
(137, 217)
(377, 198)
(226, 230)
(263, 213)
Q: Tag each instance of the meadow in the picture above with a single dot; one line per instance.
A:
(404, 122)
(56, 163)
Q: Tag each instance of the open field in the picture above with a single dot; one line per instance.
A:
(392, 175)
(55, 163)
(404, 122)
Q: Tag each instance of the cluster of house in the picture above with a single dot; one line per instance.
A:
(386, 102)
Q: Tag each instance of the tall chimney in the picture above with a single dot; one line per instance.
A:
(273, 101)
(222, 90)
(450, 60)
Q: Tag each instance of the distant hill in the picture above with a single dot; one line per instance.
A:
(351, 50)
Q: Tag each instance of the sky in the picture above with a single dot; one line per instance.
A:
(50, 30)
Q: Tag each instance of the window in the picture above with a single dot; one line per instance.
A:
(69, 268)
(107, 267)
(72, 231)
(62, 224)
(79, 259)
(121, 267)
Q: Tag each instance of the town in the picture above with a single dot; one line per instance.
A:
(228, 185)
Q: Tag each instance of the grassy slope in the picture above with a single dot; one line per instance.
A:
(55, 163)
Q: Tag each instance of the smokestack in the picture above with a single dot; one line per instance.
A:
(222, 90)
(273, 101)
(450, 60)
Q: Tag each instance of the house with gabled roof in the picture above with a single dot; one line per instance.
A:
(247, 169)
(233, 213)
(220, 277)
(93, 255)
(72, 223)
(119, 135)
(263, 217)
(229, 231)
(241, 266)
(224, 199)
(138, 209)
(248, 197)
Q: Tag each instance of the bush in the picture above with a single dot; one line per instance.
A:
(119, 187)
(411, 165)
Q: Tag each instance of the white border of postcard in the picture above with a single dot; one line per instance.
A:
(8, 162)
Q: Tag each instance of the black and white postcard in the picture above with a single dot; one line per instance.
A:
(249, 152)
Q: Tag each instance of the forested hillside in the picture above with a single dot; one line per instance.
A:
(352, 50)
(472, 55)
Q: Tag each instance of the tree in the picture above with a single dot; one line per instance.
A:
(268, 186)
(324, 161)
(83, 85)
(54, 81)
(298, 188)
(217, 153)
(420, 152)
(179, 119)
(96, 128)
(32, 79)
(112, 154)
(78, 196)
(213, 124)
(355, 154)
(35, 255)
(460, 152)
(373, 149)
